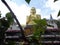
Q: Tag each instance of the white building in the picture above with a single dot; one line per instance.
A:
(14, 26)
(52, 23)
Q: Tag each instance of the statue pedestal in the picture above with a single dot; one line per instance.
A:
(28, 30)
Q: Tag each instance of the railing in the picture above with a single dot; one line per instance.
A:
(50, 36)
(50, 42)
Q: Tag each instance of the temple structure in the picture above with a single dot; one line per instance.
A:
(51, 36)
(52, 23)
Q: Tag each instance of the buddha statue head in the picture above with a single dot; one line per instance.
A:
(33, 10)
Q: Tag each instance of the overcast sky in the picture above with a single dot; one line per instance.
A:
(22, 9)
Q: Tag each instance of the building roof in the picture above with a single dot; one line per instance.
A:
(13, 31)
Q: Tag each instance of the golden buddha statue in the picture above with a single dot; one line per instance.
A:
(32, 16)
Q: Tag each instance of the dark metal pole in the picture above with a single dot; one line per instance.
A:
(13, 15)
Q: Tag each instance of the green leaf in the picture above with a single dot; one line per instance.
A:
(28, 1)
(9, 17)
(59, 13)
(55, 0)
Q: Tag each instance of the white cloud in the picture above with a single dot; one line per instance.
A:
(47, 17)
(23, 10)
(3, 9)
(20, 11)
(54, 6)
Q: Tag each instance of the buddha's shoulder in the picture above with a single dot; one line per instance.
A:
(28, 16)
(38, 15)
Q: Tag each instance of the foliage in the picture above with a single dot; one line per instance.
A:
(11, 43)
(39, 29)
(55, 0)
(58, 24)
(5, 22)
(9, 18)
(28, 1)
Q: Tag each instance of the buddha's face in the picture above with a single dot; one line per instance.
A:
(33, 10)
